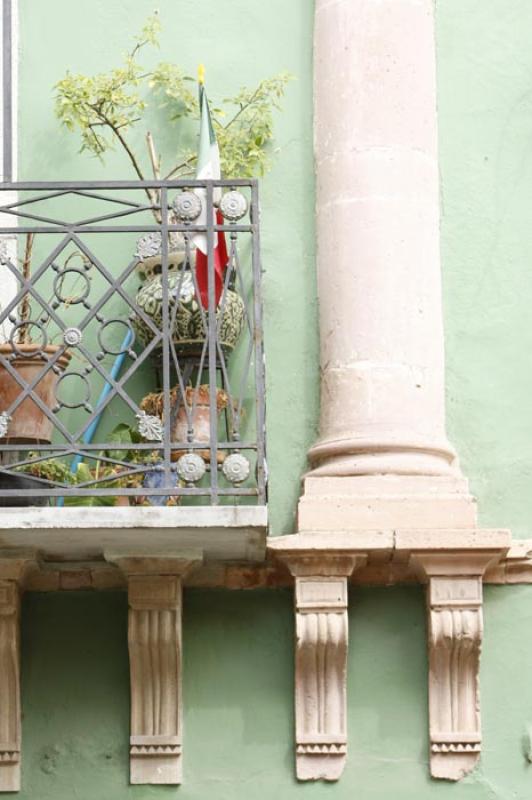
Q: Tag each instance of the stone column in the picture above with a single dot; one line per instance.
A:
(378, 262)
(377, 208)
(384, 482)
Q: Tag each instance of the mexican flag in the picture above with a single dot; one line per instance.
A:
(208, 168)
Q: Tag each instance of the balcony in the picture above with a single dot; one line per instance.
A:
(132, 368)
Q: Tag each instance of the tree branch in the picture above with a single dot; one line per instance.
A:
(25, 308)
(152, 196)
(243, 107)
(179, 167)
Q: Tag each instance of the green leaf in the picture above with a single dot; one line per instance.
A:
(103, 109)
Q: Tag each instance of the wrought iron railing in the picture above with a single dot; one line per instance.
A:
(131, 353)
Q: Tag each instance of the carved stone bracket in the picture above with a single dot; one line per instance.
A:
(320, 693)
(154, 637)
(155, 657)
(321, 661)
(12, 572)
(452, 562)
(10, 739)
(454, 605)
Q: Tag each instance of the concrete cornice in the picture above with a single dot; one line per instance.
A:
(387, 565)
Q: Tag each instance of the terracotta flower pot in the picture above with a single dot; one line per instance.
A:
(28, 422)
(198, 404)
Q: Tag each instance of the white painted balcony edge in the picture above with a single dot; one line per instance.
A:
(222, 533)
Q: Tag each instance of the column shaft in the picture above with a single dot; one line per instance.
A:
(382, 393)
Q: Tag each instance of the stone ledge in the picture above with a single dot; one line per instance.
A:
(223, 533)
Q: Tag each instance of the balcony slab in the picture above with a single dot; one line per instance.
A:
(221, 533)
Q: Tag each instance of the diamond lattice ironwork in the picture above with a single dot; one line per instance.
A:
(117, 378)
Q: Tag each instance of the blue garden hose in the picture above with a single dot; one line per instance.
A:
(91, 430)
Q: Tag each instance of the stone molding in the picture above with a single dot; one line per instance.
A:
(383, 568)
(155, 657)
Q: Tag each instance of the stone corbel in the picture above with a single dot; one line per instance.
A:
(321, 662)
(12, 572)
(10, 739)
(155, 656)
(455, 625)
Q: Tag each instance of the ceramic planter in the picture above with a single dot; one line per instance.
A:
(20, 482)
(197, 401)
(28, 422)
(188, 332)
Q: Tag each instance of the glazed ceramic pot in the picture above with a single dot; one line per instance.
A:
(188, 332)
(149, 256)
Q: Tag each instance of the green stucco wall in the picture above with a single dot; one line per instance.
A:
(238, 646)
(485, 120)
(238, 689)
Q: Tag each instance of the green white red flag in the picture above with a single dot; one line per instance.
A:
(208, 168)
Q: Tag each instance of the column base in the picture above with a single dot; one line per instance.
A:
(387, 453)
(385, 501)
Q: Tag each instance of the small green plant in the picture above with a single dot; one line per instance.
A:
(49, 470)
(114, 476)
(105, 108)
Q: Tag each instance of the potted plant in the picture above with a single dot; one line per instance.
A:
(191, 416)
(106, 108)
(145, 472)
(31, 476)
(28, 358)
(125, 434)
(111, 474)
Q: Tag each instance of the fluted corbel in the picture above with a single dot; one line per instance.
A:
(155, 657)
(12, 572)
(10, 738)
(455, 627)
(321, 662)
